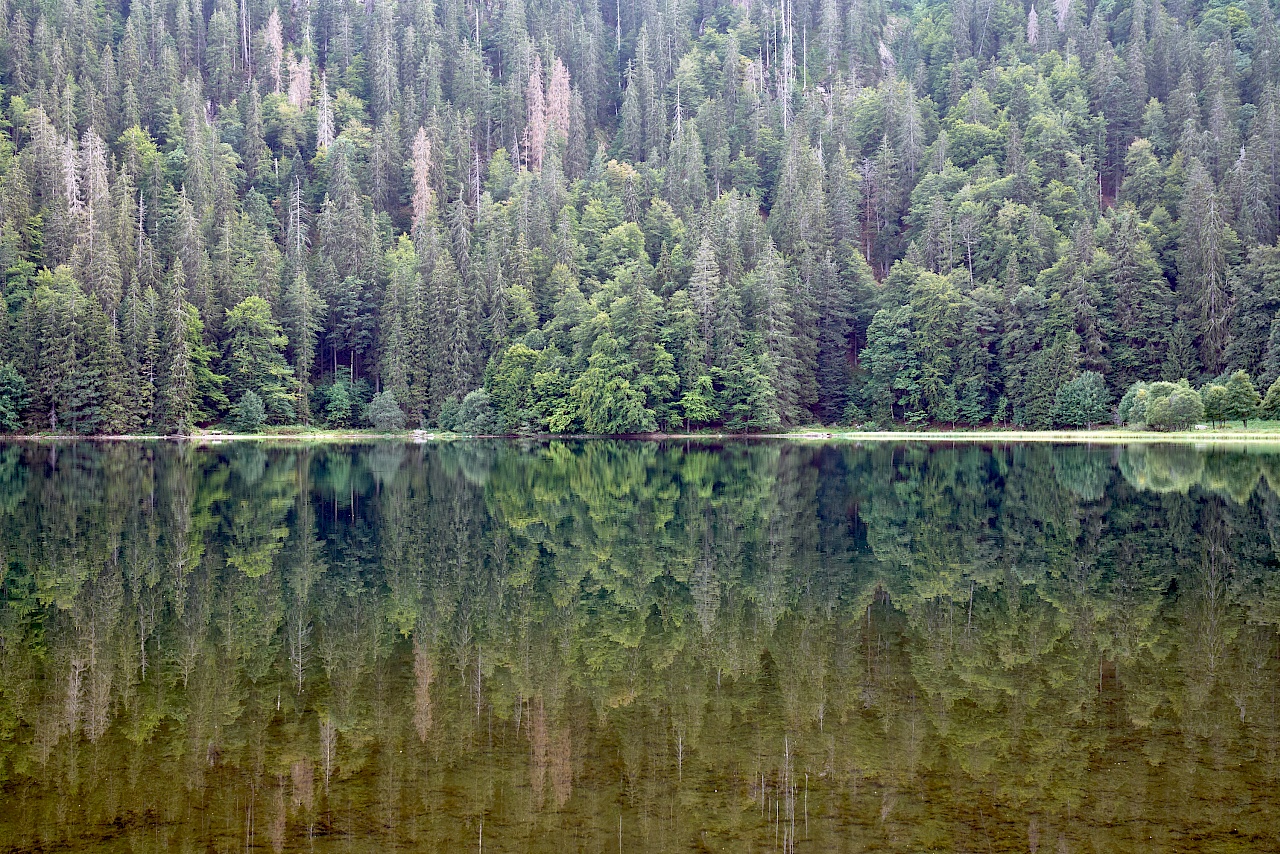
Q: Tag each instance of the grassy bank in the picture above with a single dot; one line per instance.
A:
(1258, 432)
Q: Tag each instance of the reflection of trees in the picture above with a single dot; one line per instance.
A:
(762, 644)
(1177, 468)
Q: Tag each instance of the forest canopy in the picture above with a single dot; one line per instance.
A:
(580, 216)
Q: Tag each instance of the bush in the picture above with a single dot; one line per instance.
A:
(477, 415)
(248, 415)
(1133, 406)
(338, 405)
(1176, 407)
(448, 413)
(384, 412)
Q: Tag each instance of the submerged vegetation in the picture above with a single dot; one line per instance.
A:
(577, 216)
(894, 648)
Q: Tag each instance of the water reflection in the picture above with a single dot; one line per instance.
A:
(658, 647)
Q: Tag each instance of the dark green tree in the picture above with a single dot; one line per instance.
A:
(1083, 402)
(13, 398)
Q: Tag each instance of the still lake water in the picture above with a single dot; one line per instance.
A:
(621, 646)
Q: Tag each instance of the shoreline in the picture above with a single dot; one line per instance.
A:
(1087, 437)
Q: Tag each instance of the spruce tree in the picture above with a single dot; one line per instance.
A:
(303, 310)
(175, 401)
(13, 398)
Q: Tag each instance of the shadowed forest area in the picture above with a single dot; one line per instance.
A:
(595, 217)
(765, 646)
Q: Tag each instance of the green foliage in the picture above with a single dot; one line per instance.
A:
(1270, 408)
(1133, 406)
(1083, 402)
(1173, 406)
(340, 404)
(586, 217)
(13, 398)
(697, 404)
(476, 415)
(1242, 398)
(1216, 403)
(254, 358)
(510, 385)
(384, 413)
(249, 414)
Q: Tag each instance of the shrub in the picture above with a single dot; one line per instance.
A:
(477, 415)
(248, 415)
(337, 410)
(1133, 406)
(384, 412)
(448, 417)
(1177, 410)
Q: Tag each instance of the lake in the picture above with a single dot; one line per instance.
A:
(605, 646)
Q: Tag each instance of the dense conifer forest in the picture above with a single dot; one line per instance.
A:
(609, 217)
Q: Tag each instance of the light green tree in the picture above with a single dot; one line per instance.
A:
(1242, 398)
(254, 358)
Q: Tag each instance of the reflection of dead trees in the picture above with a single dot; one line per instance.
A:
(98, 714)
(423, 672)
(706, 594)
(888, 800)
(71, 708)
(561, 761)
(98, 616)
(538, 747)
(1215, 574)
(299, 644)
(303, 777)
(706, 585)
(777, 794)
(328, 748)
(279, 818)
(552, 756)
(788, 818)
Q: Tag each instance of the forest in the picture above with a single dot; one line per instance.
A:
(569, 216)
(894, 648)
